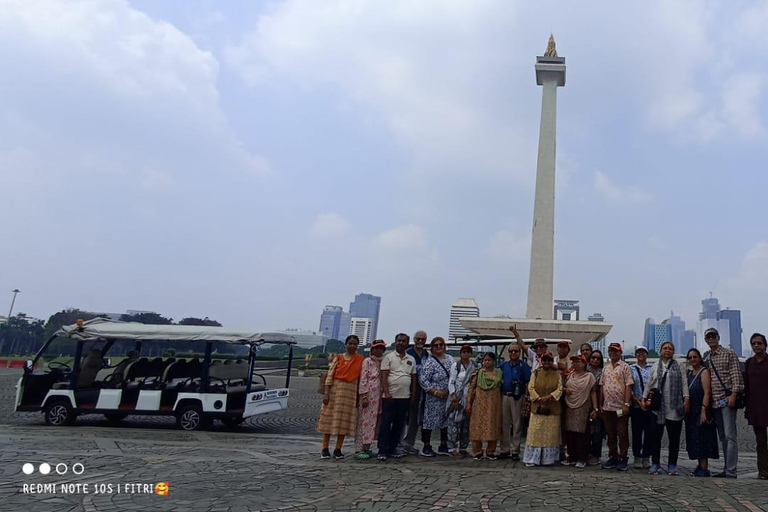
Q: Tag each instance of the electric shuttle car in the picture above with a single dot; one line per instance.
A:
(195, 390)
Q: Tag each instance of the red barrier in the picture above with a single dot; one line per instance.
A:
(3, 363)
(19, 363)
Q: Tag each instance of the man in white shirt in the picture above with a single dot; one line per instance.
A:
(398, 380)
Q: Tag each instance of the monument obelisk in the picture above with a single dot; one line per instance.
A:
(550, 73)
(539, 321)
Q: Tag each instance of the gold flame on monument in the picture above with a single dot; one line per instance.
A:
(551, 51)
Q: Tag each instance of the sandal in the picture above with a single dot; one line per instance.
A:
(363, 455)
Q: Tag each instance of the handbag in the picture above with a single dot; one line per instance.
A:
(543, 410)
(324, 376)
(656, 393)
(740, 401)
(525, 410)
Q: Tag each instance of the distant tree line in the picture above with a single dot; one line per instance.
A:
(22, 336)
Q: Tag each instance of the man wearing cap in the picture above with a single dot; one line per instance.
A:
(533, 357)
(515, 376)
(398, 381)
(617, 383)
(642, 422)
(727, 381)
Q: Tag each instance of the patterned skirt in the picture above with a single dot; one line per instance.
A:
(339, 417)
(577, 420)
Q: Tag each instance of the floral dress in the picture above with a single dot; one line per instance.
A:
(435, 374)
(368, 417)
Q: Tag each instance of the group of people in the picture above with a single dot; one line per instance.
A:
(572, 403)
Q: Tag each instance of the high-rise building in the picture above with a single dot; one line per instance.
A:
(362, 328)
(461, 308)
(734, 329)
(343, 326)
(726, 321)
(672, 329)
(566, 310)
(366, 305)
(330, 321)
(656, 334)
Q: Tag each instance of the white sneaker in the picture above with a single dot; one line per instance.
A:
(565, 462)
(581, 464)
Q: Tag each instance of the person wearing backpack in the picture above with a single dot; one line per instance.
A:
(668, 382)
(639, 418)
(727, 386)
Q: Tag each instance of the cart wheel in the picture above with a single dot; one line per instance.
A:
(190, 417)
(59, 413)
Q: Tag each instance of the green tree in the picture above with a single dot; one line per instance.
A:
(205, 322)
(64, 317)
(147, 318)
(20, 337)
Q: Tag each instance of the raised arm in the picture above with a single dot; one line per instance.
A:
(520, 342)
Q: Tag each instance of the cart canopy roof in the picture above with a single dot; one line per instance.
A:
(105, 329)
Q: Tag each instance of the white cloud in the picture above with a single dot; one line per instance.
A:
(617, 194)
(330, 226)
(407, 238)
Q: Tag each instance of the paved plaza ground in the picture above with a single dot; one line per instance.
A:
(272, 463)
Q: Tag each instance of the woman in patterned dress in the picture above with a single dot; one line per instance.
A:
(700, 430)
(458, 387)
(338, 415)
(596, 429)
(369, 403)
(434, 378)
(542, 445)
(484, 407)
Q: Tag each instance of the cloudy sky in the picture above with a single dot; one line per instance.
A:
(253, 162)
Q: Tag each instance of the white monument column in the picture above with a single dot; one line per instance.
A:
(550, 73)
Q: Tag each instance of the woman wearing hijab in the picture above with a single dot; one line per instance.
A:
(581, 408)
(369, 403)
(458, 387)
(338, 415)
(667, 378)
(434, 378)
(484, 407)
(542, 445)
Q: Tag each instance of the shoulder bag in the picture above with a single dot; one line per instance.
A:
(740, 402)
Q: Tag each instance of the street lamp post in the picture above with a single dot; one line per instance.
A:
(15, 292)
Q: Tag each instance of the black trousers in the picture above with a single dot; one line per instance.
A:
(394, 414)
(642, 437)
(674, 428)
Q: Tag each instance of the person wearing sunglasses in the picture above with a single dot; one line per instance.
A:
(434, 378)
(515, 377)
(727, 383)
(757, 405)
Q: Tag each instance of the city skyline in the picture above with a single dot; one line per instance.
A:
(255, 162)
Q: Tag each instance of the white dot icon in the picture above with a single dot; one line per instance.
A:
(28, 468)
(45, 468)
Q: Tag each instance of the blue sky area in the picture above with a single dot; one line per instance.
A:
(255, 161)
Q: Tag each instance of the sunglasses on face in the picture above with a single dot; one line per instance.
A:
(513, 351)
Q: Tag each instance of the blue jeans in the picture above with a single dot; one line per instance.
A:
(725, 419)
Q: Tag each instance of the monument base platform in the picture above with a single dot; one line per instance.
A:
(577, 332)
